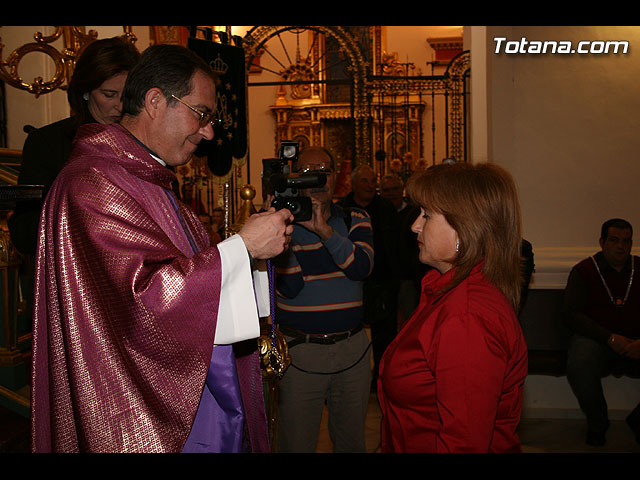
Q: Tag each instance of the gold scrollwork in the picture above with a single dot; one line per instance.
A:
(38, 86)
(74, 42)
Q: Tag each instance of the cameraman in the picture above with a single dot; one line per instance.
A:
(319, 310)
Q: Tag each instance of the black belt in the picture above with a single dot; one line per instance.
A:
(320, 338)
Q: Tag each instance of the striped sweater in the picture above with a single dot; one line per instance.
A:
(319, 283)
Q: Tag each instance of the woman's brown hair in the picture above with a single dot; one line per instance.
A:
(99, 61)
(481, 203)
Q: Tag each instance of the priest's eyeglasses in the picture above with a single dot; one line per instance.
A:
(205, 117)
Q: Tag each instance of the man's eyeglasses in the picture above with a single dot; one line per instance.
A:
(315, 169)
(205, 117)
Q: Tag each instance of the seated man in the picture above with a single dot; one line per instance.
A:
(602, 308)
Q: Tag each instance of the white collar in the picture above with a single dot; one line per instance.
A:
(159, 160)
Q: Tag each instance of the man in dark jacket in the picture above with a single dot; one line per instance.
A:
(381, 288)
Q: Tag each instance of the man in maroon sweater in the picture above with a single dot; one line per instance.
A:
(602, 309)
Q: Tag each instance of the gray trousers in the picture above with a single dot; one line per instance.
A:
(306, 388)
(587, 362)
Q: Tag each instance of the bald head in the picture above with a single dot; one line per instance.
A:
(311, 156)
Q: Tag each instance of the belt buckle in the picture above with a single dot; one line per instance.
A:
(328, 338)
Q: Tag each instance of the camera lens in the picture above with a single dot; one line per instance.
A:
(288, 151)
(294, 207)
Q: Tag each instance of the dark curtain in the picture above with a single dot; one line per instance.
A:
(230, 139)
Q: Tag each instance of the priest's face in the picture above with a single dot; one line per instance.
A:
(179, 127)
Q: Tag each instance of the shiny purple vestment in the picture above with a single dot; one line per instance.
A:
(126, 295)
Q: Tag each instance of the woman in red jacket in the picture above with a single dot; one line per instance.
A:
(452, 379)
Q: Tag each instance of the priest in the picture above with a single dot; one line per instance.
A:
(144, 333)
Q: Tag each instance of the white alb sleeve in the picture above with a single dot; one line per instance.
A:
(243, 294)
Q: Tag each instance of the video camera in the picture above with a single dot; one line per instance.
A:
(278, 179)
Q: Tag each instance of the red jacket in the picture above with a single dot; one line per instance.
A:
(452, 379)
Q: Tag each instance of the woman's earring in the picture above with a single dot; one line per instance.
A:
(458, 245)
(86, 96)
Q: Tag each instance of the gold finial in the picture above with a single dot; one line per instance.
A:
(247, 194)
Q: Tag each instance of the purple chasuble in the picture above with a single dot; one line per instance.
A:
(125, 314)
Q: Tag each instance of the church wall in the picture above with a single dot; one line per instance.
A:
(566, 126)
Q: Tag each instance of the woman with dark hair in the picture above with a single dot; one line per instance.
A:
(95, 96)
(95, 89)
(452, 380)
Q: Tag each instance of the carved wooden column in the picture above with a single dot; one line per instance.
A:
(14, 340)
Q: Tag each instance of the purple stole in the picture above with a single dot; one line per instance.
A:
(218, 427)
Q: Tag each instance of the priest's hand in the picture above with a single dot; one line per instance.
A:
(267, 234)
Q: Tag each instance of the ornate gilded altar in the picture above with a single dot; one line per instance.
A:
(374, 112)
